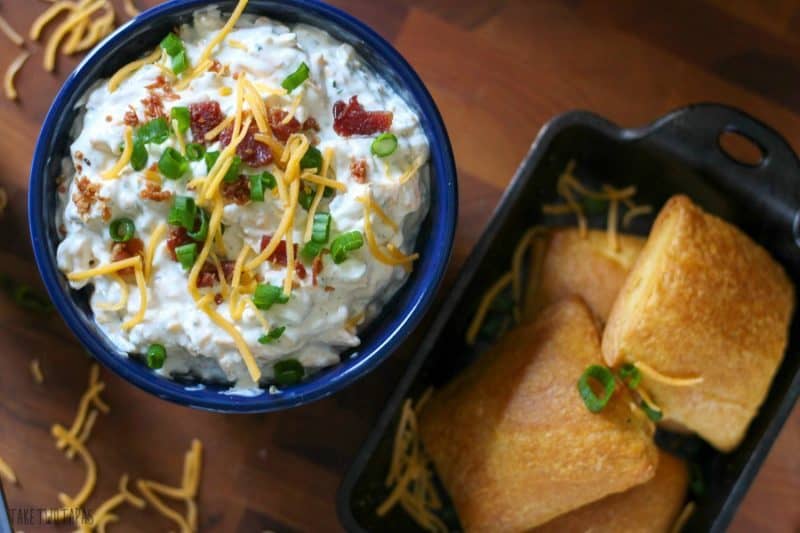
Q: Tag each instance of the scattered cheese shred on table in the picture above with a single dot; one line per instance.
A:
(11, 73)
(7, 472)
(186, 493)
(36, 371)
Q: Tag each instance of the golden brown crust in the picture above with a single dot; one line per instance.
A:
(649, 508)
(583, 266)
(703, 300)
(512, 440)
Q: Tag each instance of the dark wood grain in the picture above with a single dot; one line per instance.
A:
(498, 70)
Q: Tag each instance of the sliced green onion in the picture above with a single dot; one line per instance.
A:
(154, 131)
(233, 171)
(257, 184)
(653, 414)
(181, 114)
(289, 372)
(306, 197)
(296, 78)
(202, 232)
(312, 159)
(321, 227)
(384, 144)
(156, 355)
(273, 335)
(266, 295)
(121, 229)
(311, 250)
(630, 375)
(139, 156)
(179, 62)
(328, 192)
(602, 375)
(195, 151)
(183, 212)
(172, 164)
(256, 188)
(186, 255)
(211, 160)
(172, 44)
(27, 298)
(344, 243)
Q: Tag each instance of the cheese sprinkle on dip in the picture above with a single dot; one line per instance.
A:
(242, 199)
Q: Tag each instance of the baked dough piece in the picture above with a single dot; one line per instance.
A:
(703, 300)
(512, 439)
(582, 266)
(649, 508)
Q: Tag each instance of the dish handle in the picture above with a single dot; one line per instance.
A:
(771, 184)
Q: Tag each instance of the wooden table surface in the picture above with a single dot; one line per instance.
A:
(498, 70)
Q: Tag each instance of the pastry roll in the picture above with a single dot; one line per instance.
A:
(581, 266)
(703, 300)
(512, 440)
(649, 508)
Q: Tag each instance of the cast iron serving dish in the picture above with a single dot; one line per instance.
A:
(679, 153)
(399, 317)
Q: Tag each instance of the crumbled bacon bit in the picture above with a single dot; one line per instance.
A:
(252, 152)
(316, 269)
(131, 118)
(163, 85)
(78, 155)
(283, 131)
(209, 275)
(236, 75)
(62, 229)
(279, 255)
(310, 124)
(218, 299)
(328, 288)
(62, 188)
(153, 106)
(177, 237)
(125, 250)
(352, 119)
(109, 118)
(106, 214)
(300, 270)
(236, 192)
(216, 66)
(358, 168)
(86, 195)
(152, 191)
(205, 116)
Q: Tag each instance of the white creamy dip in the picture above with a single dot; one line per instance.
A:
(320, 320)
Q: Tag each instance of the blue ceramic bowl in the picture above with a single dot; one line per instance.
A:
(385, 333)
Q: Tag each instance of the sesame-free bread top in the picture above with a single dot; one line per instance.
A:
(512, 440)
(703, 300)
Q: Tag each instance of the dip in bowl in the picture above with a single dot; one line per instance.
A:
(247, 213)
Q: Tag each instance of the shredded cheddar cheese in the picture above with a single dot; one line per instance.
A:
(103, 270)
(124, 159)
(410, 478)
(142, 285)
(412, 170)
(103, 514)
(7, 472)
(130, 8)
(123, 295)
(51, 48)
(10, 32)
(186, 493)
(155, 239)
(687, 511)
(11, 73)
(130, 68)
(651, 373)
(483, 308)
(36, 371)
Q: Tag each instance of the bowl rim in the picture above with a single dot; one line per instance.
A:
(345, 372)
